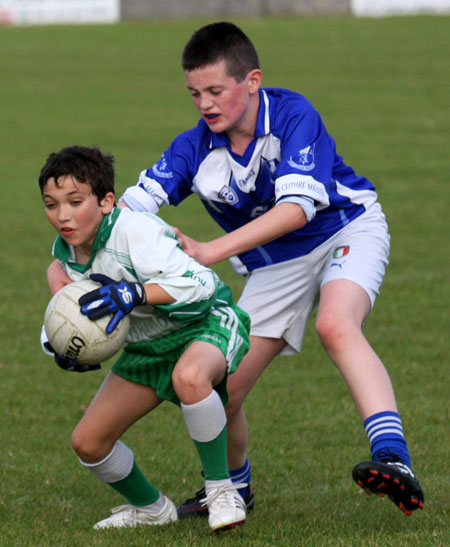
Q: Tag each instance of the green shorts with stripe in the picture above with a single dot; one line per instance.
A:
(151, 363)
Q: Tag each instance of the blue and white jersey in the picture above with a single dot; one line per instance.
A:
(291, 157)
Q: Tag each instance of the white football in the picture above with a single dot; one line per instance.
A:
(73, 334)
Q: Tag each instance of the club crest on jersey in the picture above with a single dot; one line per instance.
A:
(160, 169)
(228, 195)
(304, 160)
(339, 252)
(244, 182)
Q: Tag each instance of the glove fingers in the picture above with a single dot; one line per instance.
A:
(100, 278)
(65, 362)
(73, 366)
(96, 304)
(97, 312)
(87, 368)
(117, 317)
(91, 296)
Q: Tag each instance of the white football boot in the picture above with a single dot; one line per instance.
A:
(225, 506)
(131, 516)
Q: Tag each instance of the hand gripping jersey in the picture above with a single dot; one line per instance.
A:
(291, 157)
(135, 246)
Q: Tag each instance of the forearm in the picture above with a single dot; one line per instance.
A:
(280, 220)
(156, 295)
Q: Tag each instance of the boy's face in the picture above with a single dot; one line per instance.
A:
(224, 103)
(74, 211)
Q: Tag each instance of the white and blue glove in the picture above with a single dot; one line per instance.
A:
(115, 297)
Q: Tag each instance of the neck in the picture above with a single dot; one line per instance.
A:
(83, 254)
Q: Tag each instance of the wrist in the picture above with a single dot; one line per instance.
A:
(141, 294)
(220, 249)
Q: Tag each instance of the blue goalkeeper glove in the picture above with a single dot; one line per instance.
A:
(116, 298)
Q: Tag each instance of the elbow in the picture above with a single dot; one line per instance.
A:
(295, 215)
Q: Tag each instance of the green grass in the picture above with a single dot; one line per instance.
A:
(382, 86)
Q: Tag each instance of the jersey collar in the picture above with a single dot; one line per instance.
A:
(65, 252)
(263, 121)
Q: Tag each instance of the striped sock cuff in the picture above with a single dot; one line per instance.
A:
(383, 423)
(385, 433)
(241, 475)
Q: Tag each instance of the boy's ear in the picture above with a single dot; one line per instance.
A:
(107, 203)
(254, 79)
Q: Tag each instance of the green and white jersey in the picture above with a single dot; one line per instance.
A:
(136, 246)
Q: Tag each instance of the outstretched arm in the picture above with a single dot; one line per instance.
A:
(280, 220)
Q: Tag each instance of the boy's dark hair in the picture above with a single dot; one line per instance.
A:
(221, 41)
(85, 164)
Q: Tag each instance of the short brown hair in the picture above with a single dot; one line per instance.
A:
(221, 41)
(85, 164)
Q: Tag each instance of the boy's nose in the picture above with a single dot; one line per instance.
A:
(63, 214)
(205, 102)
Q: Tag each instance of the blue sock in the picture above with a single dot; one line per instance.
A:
(243, 474)
(385, 433)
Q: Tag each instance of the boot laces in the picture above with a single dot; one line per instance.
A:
(225, 496)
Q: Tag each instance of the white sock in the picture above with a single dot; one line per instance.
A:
(157, 505)
(115, 466)
(206, 419)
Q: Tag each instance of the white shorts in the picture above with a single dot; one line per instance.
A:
(280, 298)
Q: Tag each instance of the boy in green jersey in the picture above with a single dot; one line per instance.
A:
(186, 335)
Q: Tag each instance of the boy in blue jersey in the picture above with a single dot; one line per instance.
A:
(186, 335)
(303, 227)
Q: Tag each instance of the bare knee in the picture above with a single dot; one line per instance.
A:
(334, 331)
(241, 383)
(89, 448)
(236, 399)
(190, 383)
(187, 376)
(81, 445)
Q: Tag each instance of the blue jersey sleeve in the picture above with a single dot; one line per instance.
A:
(173, 171)
(170, 180)
(167, 182)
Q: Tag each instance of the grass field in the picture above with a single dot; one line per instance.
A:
(383, 88)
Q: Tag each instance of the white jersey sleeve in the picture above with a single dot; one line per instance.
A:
(147, 196)
(148, 247)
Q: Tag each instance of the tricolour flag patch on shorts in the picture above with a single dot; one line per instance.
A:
(339, 252)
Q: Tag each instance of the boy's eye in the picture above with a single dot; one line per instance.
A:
(49, 205)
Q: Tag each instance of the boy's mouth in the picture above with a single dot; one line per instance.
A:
(67, 231)
(212, 117)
